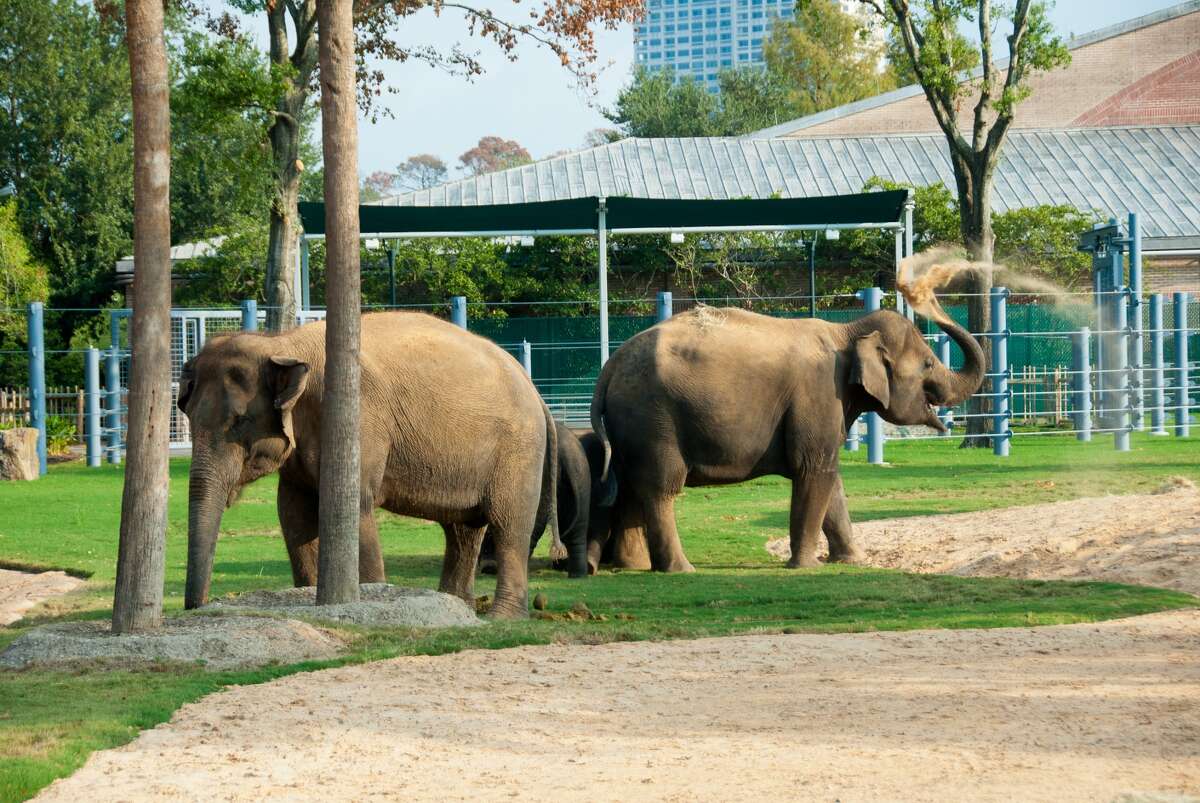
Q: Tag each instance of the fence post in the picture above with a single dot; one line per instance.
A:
(665, 306)
(946, 414)
(1081, 366)
(851, 444)
(112, 387)
(458, 311)
(1157, 397)
(91, 384)
(1133, 303)
(35, 318)
(1182, 411)
(1001, 433)
(872, 298)
(527, 357)
(249, 315)
(1121, 403)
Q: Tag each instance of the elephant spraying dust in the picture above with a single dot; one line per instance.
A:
(717, 396)
(452, 431)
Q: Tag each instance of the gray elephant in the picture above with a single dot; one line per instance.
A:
(452, 431)
(717, 396)
(575, 478)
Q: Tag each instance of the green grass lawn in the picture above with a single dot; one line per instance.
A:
(51, 721)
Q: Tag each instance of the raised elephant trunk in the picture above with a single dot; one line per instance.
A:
(207, 497)
(965, 382)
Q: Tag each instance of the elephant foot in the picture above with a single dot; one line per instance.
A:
(855, 557)
(503, 610)
(803, 562)
(678, 566)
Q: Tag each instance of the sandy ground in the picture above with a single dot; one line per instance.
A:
(1144, 539)
(20, 591)
(1078, 712)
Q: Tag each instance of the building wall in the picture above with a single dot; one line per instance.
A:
(1171, 274)
(1149, 76)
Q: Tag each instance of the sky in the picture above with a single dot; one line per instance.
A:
(536, 102)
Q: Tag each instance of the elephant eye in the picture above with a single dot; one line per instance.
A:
(928, 363)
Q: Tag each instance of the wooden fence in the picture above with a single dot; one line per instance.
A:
(64, 402)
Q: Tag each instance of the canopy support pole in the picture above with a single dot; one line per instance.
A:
(602, 237)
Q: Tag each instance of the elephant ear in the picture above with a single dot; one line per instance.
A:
(187, 381)
(288, 379)
(872, 365)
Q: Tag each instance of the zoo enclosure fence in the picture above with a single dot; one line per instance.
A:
(1054, 368)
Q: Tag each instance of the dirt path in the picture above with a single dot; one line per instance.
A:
(20, 591)
(1144, 539)
(1080, 712)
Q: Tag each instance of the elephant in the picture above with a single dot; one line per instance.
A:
(452, 430)
(717, 396)
(575, 477)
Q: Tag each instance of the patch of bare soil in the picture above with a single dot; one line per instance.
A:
(1078, 712)
(1143, 539)
(20, 591)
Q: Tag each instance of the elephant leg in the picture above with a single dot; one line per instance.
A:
(512, 571)
(370, 553)
(298, 520)
(838, 531)
(458, 564)
(666, 553)
(810, 501)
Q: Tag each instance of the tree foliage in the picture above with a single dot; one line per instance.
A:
(422, 171)
(493, 153)
(823, 58)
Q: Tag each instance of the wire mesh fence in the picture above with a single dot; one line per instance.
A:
(1043, 387)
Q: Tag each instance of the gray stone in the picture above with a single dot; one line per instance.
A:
(380, 604)
(18, 454)
(216, 642)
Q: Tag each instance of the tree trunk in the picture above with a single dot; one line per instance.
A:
(337, 575)
(975, 215)
(137, 603)
(285, 153)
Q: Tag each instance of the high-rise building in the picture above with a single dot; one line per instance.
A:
(699, 38)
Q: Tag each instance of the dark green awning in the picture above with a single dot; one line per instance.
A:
(579, 214)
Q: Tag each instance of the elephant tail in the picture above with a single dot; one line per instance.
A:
(549, 501)
(598, 399)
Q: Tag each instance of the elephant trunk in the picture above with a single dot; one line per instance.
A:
(207, 496)
(962, 384)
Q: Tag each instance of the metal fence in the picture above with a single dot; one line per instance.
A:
(1054, 367)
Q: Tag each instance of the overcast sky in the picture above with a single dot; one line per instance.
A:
(536, 102)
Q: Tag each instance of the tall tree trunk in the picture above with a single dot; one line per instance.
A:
(137, 603)
(337, 575)
(975, 216)
(285, 153)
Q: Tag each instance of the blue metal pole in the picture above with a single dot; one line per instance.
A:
(91, 395)
(112, 387)
(114, 326)
(872, 299)
(1081, 366)
(458, 311)
(35, 320)
(1001, 434)
(1134, 305)
(1182, 408)
(665, 306)
(1158, 402)
(945, 414)
(249, 315)
(1120, 396)
(527, 357)
(852, 436)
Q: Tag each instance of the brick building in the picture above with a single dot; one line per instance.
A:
(1133, 76)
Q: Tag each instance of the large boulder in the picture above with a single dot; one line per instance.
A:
(18, 454)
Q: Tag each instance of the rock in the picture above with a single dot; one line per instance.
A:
(379, 605)
(18, 454)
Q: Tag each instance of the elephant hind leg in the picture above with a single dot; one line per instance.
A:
(370, 553)
(838, 531)
(298, 519)
(458, 564)
(666, 552)
(512, 571)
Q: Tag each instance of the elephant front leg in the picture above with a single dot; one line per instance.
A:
(458, 564)
(298, 520)
(838, 531)
(370, 553)
(810, 501)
